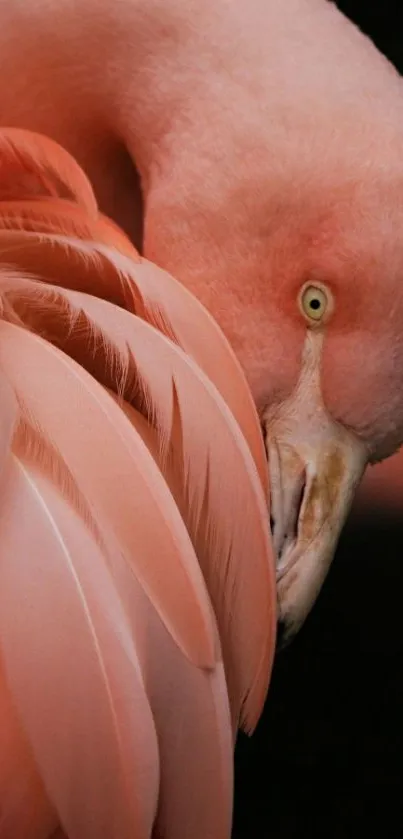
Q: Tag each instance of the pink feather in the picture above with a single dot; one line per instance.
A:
(58, 605)
(123, 487)
(33, 164)
(153, 294)
(219, 495)
(25, 809)
(137, 601)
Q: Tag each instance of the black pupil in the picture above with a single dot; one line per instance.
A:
(315, 304)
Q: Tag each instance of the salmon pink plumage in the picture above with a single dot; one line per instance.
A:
(247, 160)
(137, 602)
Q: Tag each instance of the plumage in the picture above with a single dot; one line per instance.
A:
(124, 488)
(192, 716)
(34, 165)
(43, 216)
(25, 809)
(131, 653)
(72, 665)
(209, 456)
(146, 290)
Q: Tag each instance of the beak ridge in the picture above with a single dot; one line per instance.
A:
(288, 481)
(312, 486)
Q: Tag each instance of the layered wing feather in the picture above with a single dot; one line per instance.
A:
(25, 809)
(121, 277)
(32, 164)
(43, 216)
(219, 493)
(189, 704)
(192, 717)
(72, 665)
(117, 476)
(114, 682)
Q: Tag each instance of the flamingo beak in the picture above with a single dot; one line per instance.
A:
(312, 488)
(315, 465)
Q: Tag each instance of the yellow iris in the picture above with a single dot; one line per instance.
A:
(314, 302)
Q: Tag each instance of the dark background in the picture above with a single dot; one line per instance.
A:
(326, 761)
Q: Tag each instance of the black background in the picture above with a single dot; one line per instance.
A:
(326, 761)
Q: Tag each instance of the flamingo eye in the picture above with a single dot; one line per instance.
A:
(315, 302)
